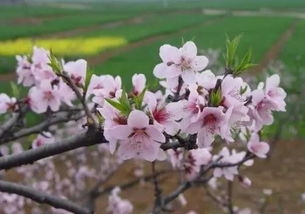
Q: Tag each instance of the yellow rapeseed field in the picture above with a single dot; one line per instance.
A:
(67, 46)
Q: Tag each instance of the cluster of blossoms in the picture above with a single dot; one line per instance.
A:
(196, 104)
(70, 175)
(184, 122)
(48, 91)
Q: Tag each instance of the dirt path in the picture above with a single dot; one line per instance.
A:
(94, 60)
(276, 48)
(10, 76)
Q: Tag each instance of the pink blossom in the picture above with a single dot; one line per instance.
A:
(193, 107)
(243, 211)
(245, 181)
(227, 157)
(139, 83)
(175, 157)
(138, 139)
(234, 93)
(24, 72)
(268, 192)
(274, 93)
(264, 101)
(165, 116)
(206, 79)
(182, 200)
(194, 160)
(17, 148)
(182, 62)
(7, 103)
(67, 95)
(208, 125)
(77, 71)
(117, 205)
(40, 56)
(191, 212)
(4, 150)
(111, 88)
(43, 139)
(96, 82)
(112, 118)
(260, 149)
(260, 109)
(44, 96)
(40, 65)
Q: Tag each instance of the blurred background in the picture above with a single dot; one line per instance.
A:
(122, 37)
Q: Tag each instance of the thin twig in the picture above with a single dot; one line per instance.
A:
(130, 184)
(43, 198)
(55, 119)
(230, 197)
(215, 198)
(80, 97)
(158, 190)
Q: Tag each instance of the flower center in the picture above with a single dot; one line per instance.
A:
(161, 115)
(48, 95)
(209, 120)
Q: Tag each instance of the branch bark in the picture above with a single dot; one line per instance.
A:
(87, 138)
(58, 118)
(43, 198)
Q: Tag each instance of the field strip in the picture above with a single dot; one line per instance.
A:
(9, 76)
(299, 15)
(276, 48)
(112, 24)
(94, 60)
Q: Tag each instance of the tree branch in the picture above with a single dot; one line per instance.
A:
(9, 124)
(43, 198)
(188, 184)
(230, 197)
(58, 118)
(80, 97)
(87, 138)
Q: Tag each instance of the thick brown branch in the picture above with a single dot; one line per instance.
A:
(86, 138)
(40, 197)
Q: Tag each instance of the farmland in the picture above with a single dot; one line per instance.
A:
(123, 38)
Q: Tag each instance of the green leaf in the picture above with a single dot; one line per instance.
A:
(123, 104)
(182, 41)
(139, 100)
(15, 89)
(245, 63)
(115, 104)
(55, 64)
(89, 74)
(243, 90)
(216, 98)
(233, 65)
(231, 49)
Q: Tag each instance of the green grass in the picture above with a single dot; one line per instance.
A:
(199, 4)
(293, 53)
(143, 59)
(16, 11)
(57, 25)
(293, 56)
(153, 25)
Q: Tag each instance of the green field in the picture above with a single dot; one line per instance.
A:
(157, 22)
(143, 59)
